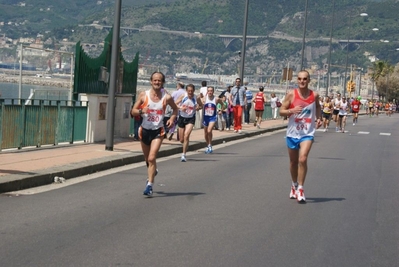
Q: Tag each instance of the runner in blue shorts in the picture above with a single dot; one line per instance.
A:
(209, 102)
(302, 107)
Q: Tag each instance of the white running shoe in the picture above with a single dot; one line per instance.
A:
(183, 158)
(293, 192)
(300, 196)
(239, 131)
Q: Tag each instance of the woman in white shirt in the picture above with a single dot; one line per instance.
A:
(273, 104)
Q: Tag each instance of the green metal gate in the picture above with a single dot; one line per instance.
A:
(39, 124)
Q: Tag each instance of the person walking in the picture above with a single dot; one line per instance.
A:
(302, 107)
(247, 112)
(238, 101)
(273, 104)
(259, 103)
(188, 105)
(150, 105)
(209, 103)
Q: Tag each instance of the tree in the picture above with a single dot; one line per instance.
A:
(381, 72)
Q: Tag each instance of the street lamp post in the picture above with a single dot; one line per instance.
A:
(244, 41)
(329, 50)
(304, 35)
(109, 138)
(347, 48)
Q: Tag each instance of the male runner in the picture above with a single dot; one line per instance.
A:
(151, 106)
(336, 104)
(209, 102)
(356, 108)
(188, 105)
(302, 107)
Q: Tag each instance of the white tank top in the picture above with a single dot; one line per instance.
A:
(188, 107)
(153, 119)
(303, 124)
(337, 103)
(342, 110)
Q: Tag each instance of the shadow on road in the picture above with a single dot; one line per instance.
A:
(324, 199)
(176, 194)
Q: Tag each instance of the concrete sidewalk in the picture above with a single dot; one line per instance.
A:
(26, 168)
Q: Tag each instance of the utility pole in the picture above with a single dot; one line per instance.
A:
(109, 139)
(329, 50)
(304, 34)
(244, 41)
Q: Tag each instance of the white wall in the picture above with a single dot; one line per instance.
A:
(96, 126)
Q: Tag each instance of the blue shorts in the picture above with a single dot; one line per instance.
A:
(294, 143)
(208, 120)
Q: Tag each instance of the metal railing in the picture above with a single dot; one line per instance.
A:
(41, 122)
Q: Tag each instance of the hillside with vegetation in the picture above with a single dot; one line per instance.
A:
(178, 53)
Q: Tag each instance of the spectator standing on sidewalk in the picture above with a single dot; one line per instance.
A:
(137, 124)
(302, 106)
(229, 109)
(247, 112)
(238, 101)
(273, 104)
(259, 103)
(221, 109)
(151, 106)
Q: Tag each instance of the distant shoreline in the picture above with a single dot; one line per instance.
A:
(41, 81)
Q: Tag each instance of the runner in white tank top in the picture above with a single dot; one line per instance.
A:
(302, 107)
(343, 112)
(151, 106)
(188, 105)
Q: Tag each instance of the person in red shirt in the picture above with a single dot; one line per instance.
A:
(356, 108)
(259, 100)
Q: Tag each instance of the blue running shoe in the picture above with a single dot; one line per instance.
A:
(148, 191)
(210, 150)
(207, 150)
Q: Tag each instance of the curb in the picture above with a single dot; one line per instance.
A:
(45, 177)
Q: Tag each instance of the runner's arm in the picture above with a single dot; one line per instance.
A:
(135, 111)
(285, 105)
(172, 104)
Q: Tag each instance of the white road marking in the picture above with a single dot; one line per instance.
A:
(80, 179)
(386, 134)
(363, 132)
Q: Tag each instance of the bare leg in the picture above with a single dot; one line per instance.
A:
(186, 137)
(150, 155)
(299, 162)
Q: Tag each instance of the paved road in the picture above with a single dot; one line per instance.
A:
(230, 208)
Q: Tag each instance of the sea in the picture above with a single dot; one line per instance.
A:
(9, 91)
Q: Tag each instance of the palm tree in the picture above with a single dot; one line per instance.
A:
(382, 69)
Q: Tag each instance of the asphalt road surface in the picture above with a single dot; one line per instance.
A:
(230, 208)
